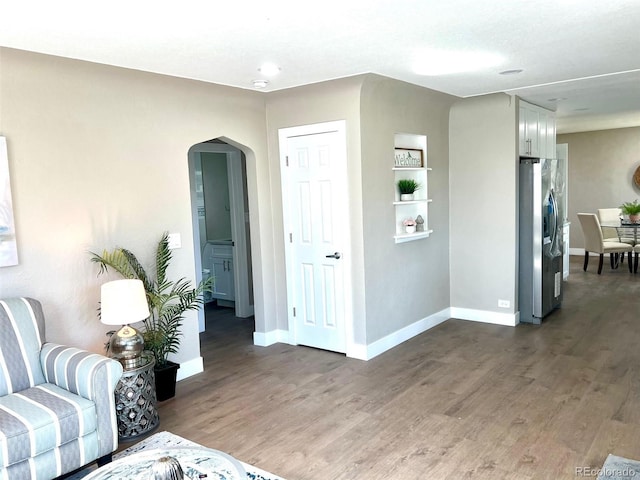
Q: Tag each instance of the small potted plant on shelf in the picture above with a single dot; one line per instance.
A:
(168, 301)
(407, 187)
(409, 225)
(632, 209)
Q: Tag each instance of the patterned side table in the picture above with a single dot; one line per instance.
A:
(136, 401)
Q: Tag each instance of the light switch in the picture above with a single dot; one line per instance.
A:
(174, 241)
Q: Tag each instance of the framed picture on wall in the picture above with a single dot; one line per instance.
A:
(8, 246)
(408, 158)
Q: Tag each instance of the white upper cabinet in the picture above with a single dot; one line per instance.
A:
(536, 131)
(528, 138)
(543, 119)
(551, 136)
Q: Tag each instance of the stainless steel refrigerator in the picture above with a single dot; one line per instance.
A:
(540, 238)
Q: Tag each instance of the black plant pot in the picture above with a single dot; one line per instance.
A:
(166, 380)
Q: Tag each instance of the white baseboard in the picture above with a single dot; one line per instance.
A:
(190, 368)
(357, 351)
(507, 319)
(367, 352)
(264, 339)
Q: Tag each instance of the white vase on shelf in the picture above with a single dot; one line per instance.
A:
(406, 197)
(410, 228)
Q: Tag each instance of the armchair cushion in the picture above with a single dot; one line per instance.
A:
(90, 376)
(40, 419)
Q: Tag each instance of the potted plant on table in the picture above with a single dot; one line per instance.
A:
(407, 187)
(168, 301)
(632, 209)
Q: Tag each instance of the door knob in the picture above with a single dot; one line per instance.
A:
(336, 255)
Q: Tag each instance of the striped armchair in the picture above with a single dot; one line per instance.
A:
(57, 409)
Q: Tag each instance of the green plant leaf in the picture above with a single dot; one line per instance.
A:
(408, 186)
(630, 208)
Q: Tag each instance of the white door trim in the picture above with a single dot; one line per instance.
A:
(238, 232)
(338, 126)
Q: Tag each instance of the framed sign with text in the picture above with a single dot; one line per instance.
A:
(408, 158)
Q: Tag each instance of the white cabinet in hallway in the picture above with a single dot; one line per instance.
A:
(218, 259)
(223, 273)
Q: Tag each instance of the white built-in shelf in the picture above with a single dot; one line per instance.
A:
(409, 237)
(411, 169)
(410, 202)
(420, 205)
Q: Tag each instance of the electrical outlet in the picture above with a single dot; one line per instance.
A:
(174, 241)
(504, 304)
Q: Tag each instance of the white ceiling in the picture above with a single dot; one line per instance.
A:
(584, 52)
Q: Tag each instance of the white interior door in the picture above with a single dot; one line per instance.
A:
(314, 173)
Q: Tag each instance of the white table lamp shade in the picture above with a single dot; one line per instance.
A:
(123, 302)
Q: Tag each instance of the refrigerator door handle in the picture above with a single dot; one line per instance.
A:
(554, 205)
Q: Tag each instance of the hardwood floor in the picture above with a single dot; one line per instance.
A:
(463, 400)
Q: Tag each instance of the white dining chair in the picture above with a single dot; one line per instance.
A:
(594, 242)
(610, 234)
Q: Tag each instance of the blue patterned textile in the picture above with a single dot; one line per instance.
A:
(57, 410)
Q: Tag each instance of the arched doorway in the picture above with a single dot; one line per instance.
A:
(221, 229)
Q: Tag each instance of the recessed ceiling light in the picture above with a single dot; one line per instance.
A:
(583, 109)
(269, 69)
(260, 83)
(444, 62)
(515, 71)
(559, 99)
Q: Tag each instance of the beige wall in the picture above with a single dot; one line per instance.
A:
(405, 282)
(483, 207)
(375, 108)
(111, 170)
(601, 168)
(324, 102)
(98, 159)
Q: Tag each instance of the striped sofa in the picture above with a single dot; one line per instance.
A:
(57, 410)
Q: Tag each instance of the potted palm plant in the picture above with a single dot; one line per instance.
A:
(168, 301)
(632, 209)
